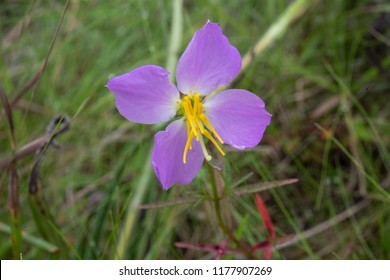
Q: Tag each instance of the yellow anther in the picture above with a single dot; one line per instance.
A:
(197, 123)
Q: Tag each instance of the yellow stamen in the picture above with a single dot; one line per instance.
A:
(210, 126)
(208, 135)
(188, 145)
(196, 102)
(196, 107)
(189, 116)
(189, 131)
(197, 122)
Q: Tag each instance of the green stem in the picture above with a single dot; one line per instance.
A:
(274, 32)
(216, 198)
(175, 39)
(277, 29)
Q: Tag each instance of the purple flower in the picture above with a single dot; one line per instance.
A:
(236, 117)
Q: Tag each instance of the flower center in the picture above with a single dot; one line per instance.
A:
(198, 126)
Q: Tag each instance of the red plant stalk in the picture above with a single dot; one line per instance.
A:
(269, 226)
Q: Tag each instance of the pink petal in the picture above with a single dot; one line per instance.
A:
(238, 116)
(208, 62)
(145, 95)
(167, 156)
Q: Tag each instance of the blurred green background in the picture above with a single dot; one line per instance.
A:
(325, 80)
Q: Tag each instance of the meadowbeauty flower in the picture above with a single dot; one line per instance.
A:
(235, 117)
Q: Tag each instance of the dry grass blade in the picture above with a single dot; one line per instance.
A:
(35, 145)
(167, 203)
(28, 85)
(57, 126)
(16, 32)
(244, 190)
(24, 151)
(325, 107)
(37, 77)
(265, 186)
(32, 107)
(351, 211)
